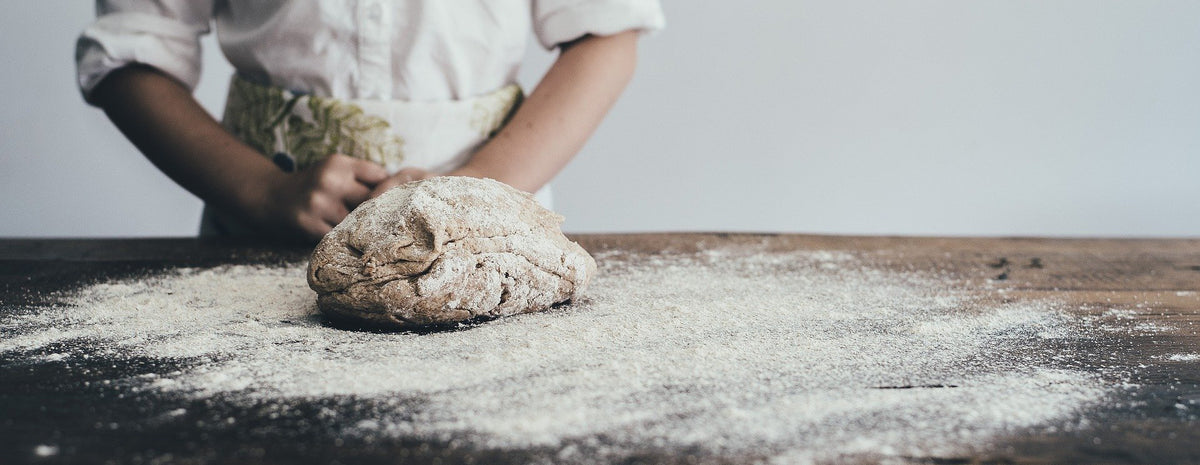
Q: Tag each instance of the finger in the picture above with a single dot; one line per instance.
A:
(334, 213)
(327, 207)
(340, 180)
(368, 172)
(355, 194)
(414, 174)
(336, 161)
(314, 228)
(403, 176)
(384, 186)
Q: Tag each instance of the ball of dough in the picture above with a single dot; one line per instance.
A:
(445, 250)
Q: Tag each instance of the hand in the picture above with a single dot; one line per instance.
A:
(405, 175)
(311, 202)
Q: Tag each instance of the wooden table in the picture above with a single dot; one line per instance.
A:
(1157, 423)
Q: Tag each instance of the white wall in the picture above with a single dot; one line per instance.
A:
(1036, 117)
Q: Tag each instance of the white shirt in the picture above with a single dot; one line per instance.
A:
(413, 50)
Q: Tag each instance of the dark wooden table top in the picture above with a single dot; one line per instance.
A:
(1159, 278)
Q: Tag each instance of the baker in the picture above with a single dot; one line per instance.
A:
(335, 102)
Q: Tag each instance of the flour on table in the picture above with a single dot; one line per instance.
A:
(790, 357)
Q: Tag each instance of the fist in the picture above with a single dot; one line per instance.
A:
(314, 200)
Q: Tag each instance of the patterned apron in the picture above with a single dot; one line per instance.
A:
(297, 130)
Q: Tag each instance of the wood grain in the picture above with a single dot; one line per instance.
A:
(1149, 281)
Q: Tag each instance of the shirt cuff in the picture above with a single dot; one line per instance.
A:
(120, 39)
(599, 17)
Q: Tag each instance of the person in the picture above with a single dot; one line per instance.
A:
(333, 103)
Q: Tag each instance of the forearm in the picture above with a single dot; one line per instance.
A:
(560, 114)
(166, 123)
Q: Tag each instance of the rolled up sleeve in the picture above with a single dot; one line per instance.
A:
(162, 34)
(559, 21)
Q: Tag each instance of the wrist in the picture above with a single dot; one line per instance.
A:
(254, 194)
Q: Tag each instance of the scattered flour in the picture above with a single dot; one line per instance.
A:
(1121, 313)
(1183, 357)
(795, 358)
(43, 450)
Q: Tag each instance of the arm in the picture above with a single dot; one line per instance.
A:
(160, 116)
(560, 115)
(556, 119)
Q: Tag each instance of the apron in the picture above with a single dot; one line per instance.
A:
(298, 130)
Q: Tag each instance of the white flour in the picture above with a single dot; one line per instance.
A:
(792, 358)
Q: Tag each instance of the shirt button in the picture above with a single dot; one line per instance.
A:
(375, 12)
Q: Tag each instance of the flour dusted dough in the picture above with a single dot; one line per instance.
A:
(444, 250)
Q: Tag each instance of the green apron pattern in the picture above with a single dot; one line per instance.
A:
(491, 113)
(305, 128)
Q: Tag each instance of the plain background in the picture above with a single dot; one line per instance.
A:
(954, 117)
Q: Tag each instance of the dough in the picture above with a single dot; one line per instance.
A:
(444, 250)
